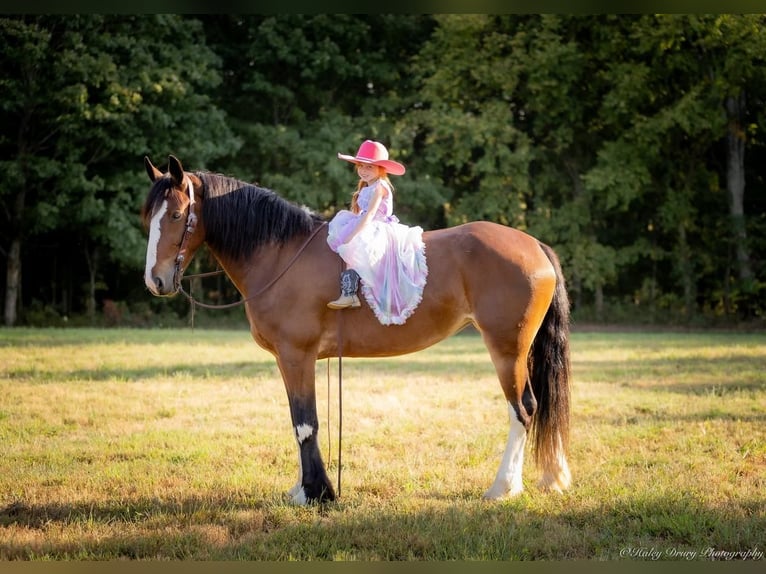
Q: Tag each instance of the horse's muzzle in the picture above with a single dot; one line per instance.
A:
(161, 284)
(162, 289)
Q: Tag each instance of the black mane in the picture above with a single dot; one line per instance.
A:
(240, 217)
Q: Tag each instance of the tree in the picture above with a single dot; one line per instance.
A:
(509, 122)
(602, 135)
(300, 88)
(466, 120)
(633, 144)
(694, 73)
(84, 98)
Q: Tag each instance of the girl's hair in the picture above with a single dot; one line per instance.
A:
(361, 185)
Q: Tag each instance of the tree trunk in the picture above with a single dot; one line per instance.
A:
(13, 269)
(576, 290)
(686, 270)
(92, 260)
(12, 282)
(599, 302)
(735, 183)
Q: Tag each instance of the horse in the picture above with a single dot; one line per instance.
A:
(501, 280)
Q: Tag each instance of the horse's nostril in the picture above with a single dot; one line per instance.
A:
(158, 282)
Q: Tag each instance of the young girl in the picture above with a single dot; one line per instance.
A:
(388, 257)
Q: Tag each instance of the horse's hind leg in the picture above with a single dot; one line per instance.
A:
(556, 475)
(508, 480)
(512, 372)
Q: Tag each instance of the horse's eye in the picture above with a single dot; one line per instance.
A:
(177, 215)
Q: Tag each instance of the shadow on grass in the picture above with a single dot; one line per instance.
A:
(224, 529)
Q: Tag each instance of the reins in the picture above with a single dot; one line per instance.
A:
(340, 396)
(261, 291)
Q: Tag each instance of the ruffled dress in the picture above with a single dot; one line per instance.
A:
(388, 256)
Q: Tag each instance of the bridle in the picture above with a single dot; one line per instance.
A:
(191, 225)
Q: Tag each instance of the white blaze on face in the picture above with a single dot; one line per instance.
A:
(151, 248)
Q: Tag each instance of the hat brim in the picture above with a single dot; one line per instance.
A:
(391, 166)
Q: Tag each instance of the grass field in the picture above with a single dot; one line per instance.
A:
(177, 444)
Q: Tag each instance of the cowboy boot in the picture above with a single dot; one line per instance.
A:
(349, 283)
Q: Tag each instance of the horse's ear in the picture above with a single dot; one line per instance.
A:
(176, 170)
(153, 172)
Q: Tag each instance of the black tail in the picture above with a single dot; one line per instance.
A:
(549, 369)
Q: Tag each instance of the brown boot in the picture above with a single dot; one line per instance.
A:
(349, 283)
(344, 302)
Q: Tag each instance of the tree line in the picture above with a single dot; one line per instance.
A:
(632, 144)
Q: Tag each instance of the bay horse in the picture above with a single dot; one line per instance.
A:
(504, 282)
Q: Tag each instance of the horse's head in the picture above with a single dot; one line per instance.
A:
(171, 214)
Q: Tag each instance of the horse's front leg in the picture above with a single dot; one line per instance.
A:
(313, 484)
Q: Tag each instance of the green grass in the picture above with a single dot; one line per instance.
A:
(173, 444)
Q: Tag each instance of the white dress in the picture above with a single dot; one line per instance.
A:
(389, 257)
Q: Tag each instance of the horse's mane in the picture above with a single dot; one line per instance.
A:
(240, 217)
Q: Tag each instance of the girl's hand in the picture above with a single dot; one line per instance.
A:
(372, 208)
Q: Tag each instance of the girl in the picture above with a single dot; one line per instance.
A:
(388, 257)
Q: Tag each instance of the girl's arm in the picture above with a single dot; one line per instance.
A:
(372, 208)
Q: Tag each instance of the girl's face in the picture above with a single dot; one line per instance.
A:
(367, 172)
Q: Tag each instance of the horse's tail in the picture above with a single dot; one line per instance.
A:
(549, 369)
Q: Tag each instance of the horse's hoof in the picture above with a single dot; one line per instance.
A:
(496, 492)
(557, 481)
(298, 496)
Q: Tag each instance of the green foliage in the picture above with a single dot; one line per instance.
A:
(605, 136)
(301, 88)
(466, 119)
(86, 97)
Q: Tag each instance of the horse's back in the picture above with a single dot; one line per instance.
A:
(487, 248)
(504, 277)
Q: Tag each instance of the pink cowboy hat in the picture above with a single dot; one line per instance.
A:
(374, 153)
